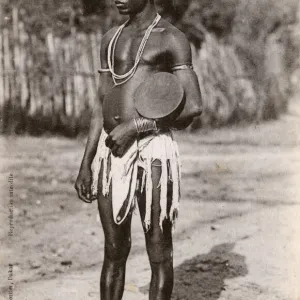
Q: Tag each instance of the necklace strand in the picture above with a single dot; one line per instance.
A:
(131, 72)
(122, 78)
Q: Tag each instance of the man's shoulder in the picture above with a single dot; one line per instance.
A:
(175, 42)
(108, 35)
(171, 33)
(172, 37)
(104, 45)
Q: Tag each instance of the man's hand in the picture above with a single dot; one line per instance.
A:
(83, 184)
(121, 138)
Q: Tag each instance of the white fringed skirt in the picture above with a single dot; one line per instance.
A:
(119, 175)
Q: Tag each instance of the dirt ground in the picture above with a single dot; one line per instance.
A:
(237, 237)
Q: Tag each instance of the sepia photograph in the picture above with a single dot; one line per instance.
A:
(150, 149)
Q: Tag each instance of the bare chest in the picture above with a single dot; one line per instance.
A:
(128, 50)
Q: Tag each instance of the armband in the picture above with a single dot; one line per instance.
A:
(182, 67)
(103, 71)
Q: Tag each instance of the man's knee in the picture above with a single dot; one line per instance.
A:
(117, 250)
(159, 251)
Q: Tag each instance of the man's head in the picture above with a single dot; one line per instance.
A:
(129, 7)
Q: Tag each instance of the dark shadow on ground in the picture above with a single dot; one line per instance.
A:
(202, 277)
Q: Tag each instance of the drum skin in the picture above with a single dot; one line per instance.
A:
(161, 96)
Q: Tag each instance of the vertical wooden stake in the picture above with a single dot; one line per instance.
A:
(24, 92)
(16, 60)
(7, 66)
(2, 73)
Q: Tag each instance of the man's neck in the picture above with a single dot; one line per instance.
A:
(144, 18)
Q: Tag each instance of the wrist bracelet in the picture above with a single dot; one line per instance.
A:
(144, 125)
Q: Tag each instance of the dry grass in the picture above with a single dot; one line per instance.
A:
(228, 95)
(244, 73)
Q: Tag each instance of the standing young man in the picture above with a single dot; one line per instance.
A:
(131, 160)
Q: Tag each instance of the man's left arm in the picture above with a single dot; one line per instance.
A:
(181, 66)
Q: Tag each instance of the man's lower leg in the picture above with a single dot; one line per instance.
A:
(112, 279)
(161, 285)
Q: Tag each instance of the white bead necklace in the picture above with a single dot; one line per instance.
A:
(117, 78)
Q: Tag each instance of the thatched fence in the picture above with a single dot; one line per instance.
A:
(49, 84)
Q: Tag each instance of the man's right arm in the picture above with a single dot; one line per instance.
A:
(93, 135)
(84, 179)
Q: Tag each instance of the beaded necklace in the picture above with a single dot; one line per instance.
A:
(122, 78)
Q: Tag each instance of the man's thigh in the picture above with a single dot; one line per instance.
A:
(115, 235)
(158, 240)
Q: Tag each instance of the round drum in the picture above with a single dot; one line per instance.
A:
(159, 96)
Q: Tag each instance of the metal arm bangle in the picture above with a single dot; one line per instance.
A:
(144, 125)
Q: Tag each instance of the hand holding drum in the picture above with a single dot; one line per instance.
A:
(160, 97)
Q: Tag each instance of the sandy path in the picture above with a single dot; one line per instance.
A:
(256, 267)
(237, 236)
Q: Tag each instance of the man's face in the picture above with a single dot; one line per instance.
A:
(128, 7)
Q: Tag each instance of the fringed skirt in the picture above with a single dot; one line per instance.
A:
(119, 175)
